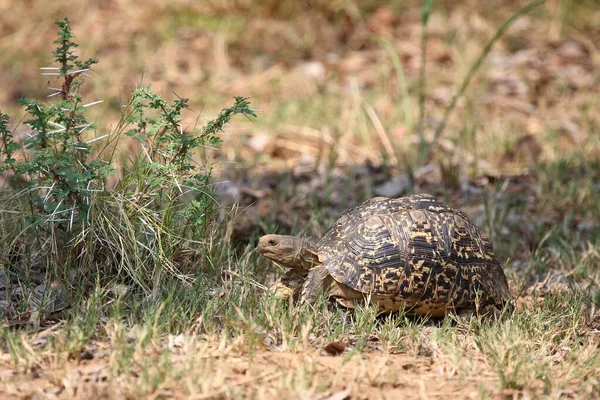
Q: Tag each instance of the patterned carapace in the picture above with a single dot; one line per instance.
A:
(414, 253)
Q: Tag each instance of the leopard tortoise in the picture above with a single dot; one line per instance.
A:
(413, 253)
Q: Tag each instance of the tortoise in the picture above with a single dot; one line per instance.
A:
(412, 253)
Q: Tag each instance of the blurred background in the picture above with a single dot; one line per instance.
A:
(336, 86)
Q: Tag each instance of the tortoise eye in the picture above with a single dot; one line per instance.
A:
(272, 242)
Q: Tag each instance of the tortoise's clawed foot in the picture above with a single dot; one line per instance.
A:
(466, 313)
(288, 287)
(344, 313)
(282, 292)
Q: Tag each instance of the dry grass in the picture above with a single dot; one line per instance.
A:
(546, 349)
(337, 88)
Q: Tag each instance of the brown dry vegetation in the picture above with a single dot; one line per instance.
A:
(336, 84)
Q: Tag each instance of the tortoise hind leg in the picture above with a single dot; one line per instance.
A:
(486, 313)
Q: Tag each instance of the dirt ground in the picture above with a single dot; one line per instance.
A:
(370, 374)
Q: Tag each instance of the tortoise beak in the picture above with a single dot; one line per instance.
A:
(265, 245)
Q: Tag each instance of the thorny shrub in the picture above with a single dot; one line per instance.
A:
(59, 216)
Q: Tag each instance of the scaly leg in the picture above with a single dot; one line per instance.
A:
(290, 284)
(318, 281)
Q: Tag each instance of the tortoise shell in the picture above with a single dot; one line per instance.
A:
(414, 252)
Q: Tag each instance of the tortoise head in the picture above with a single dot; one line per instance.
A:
(289, 251)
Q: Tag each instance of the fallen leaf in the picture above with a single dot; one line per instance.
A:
(335, 348)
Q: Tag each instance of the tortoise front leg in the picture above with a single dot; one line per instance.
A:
(289, 286)
(318, 281)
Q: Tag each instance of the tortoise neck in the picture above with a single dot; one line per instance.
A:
(303, 256)
(308, 256)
